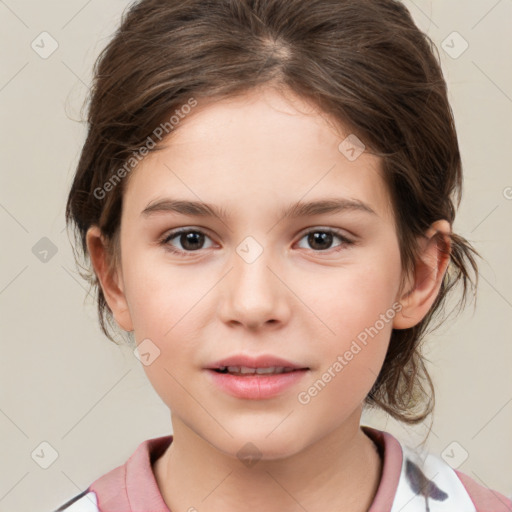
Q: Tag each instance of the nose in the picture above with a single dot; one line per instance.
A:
(253, 293)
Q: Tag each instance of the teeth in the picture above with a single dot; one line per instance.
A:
(271, 369)
(242, 369)
(260, 371)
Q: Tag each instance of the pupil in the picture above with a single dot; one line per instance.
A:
(189, 238)
(319, 236)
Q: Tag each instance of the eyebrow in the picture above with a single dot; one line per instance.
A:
(298, 209)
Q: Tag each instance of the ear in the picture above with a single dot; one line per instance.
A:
(430, 268)
(111, 281)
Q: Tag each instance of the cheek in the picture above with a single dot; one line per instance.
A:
(351, 353)
(354, 313)
(165, 308)
(163, 297)
(348, 300)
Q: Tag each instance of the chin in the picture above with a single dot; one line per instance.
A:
(250, 449)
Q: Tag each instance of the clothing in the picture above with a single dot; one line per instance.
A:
(132, 487)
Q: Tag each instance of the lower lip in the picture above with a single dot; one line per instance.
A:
(256, 387)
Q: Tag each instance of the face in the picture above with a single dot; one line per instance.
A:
(317, 289)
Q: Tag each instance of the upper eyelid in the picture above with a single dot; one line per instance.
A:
(336, 231)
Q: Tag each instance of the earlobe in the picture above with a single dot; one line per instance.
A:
(430, 269)
(111, 281)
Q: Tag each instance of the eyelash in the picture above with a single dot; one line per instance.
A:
(173, 234)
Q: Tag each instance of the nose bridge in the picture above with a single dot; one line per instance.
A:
(253, 294)
(251, 271)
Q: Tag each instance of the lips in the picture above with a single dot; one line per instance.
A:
(244, 364)
(255, 378)
(245, 370)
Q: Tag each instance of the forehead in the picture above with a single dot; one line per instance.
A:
(258, 150)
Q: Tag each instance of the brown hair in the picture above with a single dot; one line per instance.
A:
(365, 63)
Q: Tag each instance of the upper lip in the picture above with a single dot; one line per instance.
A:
(262, 361)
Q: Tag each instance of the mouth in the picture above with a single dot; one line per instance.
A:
(242, 371)
(244, 364)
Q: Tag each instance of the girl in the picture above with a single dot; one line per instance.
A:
(309, 151)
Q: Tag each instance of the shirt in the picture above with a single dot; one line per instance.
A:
(410, 482)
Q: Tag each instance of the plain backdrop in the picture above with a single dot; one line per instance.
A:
(63, 384)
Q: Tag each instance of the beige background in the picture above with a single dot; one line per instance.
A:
(64, 383)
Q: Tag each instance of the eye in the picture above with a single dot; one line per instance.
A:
(320, 239)
(192, 240)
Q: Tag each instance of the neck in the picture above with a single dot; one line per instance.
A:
(338, 472)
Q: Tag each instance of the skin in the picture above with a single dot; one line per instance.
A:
(254, 155)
